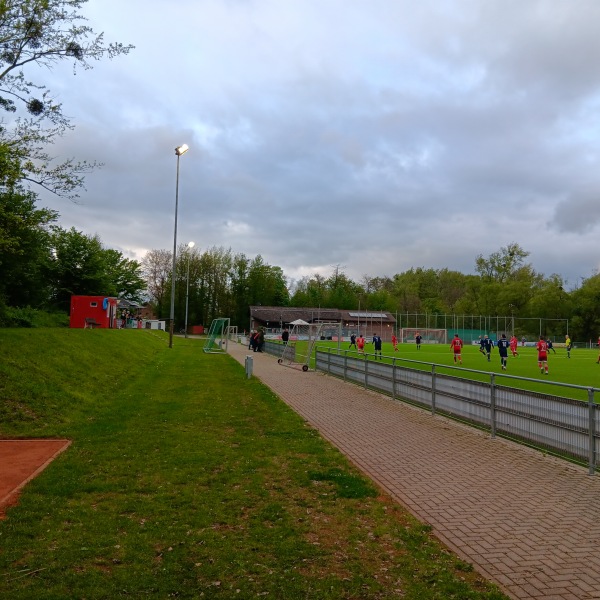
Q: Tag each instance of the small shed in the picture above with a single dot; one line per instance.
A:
(93, 311)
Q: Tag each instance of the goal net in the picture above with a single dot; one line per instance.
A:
(302, 340)
(428, 336)
(232, 333)
(216, 342)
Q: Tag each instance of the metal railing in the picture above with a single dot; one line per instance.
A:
(559, 425)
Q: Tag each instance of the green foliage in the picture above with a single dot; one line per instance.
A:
(24, 248)
(82, 266)
(220, 284)
(31, 317)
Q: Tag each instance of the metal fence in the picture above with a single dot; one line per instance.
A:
(563, 426)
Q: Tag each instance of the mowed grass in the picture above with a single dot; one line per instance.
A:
(580, 370)
(187, 480)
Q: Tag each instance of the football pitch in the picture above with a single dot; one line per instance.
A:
(581, 369)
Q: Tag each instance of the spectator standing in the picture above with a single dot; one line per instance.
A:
(261, 339)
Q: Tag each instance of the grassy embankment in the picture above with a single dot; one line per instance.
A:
(185, 479)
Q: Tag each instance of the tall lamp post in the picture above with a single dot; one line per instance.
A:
(179, 151)
(187, 288)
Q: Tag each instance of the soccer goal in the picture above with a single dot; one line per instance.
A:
(232, 333)
(428, 336)
(216, 342)
(303, 337)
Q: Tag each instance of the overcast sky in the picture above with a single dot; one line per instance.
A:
(377, 135)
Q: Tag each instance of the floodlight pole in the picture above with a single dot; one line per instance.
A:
(179, 151)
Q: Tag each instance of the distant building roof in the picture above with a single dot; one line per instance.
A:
(287, 314)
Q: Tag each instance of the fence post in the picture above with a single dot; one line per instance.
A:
(366, 363)
(493, 405)
(345, 363)
(393, 378)
(433, 389)
(328, 361)
(592, 431)
(249, 364)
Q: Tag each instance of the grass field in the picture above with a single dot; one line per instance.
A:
(581, 369)
(187, 480)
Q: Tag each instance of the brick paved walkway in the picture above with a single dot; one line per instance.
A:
(530, 523)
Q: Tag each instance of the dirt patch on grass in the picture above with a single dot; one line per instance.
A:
(20, 462)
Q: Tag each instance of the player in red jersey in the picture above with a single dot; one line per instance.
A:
(395, 342)
(360, 344)
(542, 348)
(514, 344)
(456, 344)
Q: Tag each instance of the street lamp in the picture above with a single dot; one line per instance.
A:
(179, 151)
(187, 287)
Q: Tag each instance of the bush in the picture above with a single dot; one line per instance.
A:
(31, 317)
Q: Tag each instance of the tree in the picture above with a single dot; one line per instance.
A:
(78, 267)
(43, 33)
(501, 265)
(81, 266)
(25, 243)
(156, 270)
(586, 300)
(125, 276)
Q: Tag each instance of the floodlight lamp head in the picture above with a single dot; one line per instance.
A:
(180, 150)
(191, 244)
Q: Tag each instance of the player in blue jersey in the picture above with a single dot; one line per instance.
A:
(503, 345)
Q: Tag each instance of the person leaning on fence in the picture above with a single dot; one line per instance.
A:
(260, 340)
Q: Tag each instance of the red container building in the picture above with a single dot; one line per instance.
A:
(93, 311)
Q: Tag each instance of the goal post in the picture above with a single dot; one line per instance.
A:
(303, 338)
(428, 336)
(216, 342)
